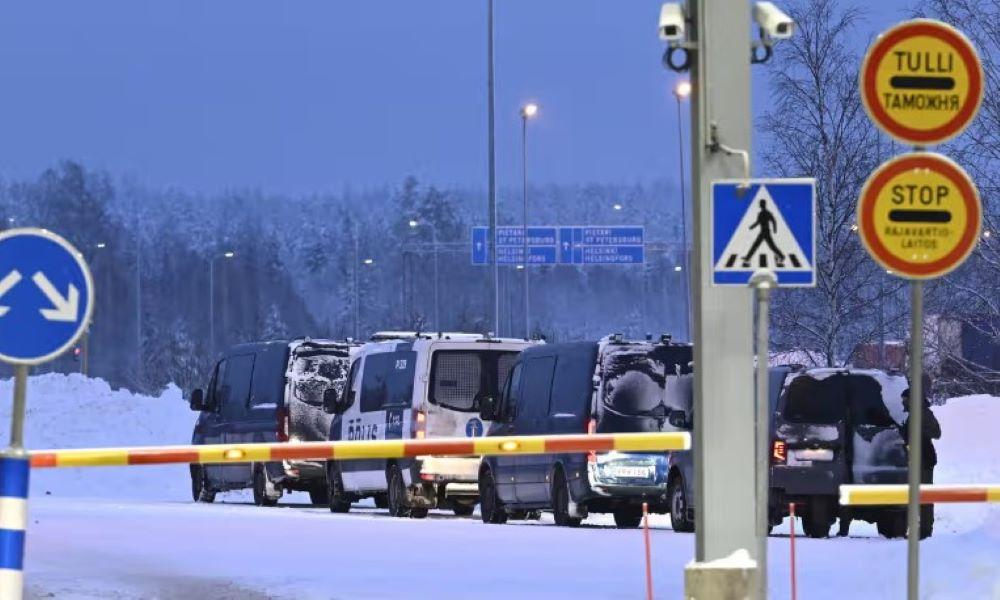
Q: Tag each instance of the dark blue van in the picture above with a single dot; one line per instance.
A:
(268, 392)
(611, 386)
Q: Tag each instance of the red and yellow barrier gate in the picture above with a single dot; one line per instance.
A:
(234, 453)
(876, 495)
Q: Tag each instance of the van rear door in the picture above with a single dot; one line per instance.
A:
(459, 378)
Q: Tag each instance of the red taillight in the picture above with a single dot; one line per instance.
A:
(779, 452)
(591, 429)
(419, 424)
(281, 416)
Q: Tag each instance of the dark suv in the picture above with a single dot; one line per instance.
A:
(832, 427)
(268, 392)
(613, 386)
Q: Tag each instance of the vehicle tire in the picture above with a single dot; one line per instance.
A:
(892, 524)
(418, 513)
(260, 497)
(816, 522)
(628, 517)
(200, 491)
(926, 521)
(397, 492)
(335, 497)
(679, 506)
(381, 500)
(319, 496)
(560, 502)
(463, 510)
(490, 508)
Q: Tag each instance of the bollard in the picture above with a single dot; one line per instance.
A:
(649, 565)
(14, 469)
(791, 537)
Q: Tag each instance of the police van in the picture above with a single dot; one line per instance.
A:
(416, 386)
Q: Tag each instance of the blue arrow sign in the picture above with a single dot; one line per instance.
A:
(768, 225)
(46, 296)
(576, 245)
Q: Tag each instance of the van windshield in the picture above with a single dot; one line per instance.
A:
(636, 395)
(313, 371)
(460, 378)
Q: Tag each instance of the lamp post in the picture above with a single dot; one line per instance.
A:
(357, 287)
(211, 297)
(490, 144)
(434, 245)
(85, 340)
(681, 91)
(528, 111)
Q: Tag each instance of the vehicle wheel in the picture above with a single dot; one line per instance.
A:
(381, 501)
(892, 525)
(679, 506)
(926, 521)
(418, 513)
(463, 510)
(260, 497)
(397, 492)
(628, 517)
(816, 522)
(490, 508)
(335, 497)
(319, 496)
(200, 491)
(560, 502)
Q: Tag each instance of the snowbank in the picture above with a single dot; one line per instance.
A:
(968, 452)
(73, 411)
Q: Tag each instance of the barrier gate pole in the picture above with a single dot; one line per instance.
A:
(14, 470)
(915, 441)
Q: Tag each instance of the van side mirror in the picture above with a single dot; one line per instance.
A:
(488, 408)
(331, 401)
(680, 420)
(197, 400)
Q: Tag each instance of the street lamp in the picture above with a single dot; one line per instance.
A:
(681, 91)
(528, 111)
(617, 206)
(85, 339)
(434, 245)
(211, 297)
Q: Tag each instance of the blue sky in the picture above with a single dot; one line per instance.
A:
(314, 95)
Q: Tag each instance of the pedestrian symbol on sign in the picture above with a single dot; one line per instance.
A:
(768, 227)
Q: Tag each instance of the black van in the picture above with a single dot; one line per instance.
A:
(612, 386)
(836, 426)
(268, 392)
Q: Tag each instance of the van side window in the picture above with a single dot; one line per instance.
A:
(213, 385)
(351, 387)
(236, 385)
(387, 380)
(511, 392)
(537, 389)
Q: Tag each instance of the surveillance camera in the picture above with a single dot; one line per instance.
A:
(772, 21)
(672, 22)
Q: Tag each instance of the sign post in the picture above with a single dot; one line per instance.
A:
(919, 214)
(46, 300)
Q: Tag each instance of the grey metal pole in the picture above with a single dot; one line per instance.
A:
(437, 294)
(763, 282)
(685, 260)
(881, 321)
(915, 438)
(17, 413)
(524, 237)
(492, 172)
(211, 307)
(724, 444)
(357, 284)
(138, 294)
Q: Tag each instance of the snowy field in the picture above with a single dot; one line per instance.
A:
(130, 533)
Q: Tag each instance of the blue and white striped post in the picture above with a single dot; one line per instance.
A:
(14, 468)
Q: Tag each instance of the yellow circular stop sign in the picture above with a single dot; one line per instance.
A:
(919, 215)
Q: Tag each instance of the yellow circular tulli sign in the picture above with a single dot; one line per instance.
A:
(919, 215)
(922, 82)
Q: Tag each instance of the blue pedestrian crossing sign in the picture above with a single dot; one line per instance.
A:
(768, 225)
(46, 296)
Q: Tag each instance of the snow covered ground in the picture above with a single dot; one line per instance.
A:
(125, 533)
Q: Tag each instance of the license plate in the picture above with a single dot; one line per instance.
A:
(824, 454)
(630, 472)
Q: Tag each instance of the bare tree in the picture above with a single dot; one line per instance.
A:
(818, 128)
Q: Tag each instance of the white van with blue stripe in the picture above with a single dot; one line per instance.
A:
(411, 386)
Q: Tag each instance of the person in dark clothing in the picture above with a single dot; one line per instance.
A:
(930, 430)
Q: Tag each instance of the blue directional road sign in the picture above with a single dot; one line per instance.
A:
(770, 225)
(575, 245)
(46, 296)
